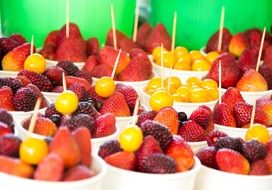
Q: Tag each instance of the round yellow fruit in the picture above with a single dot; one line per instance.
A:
(198, 95)
(66, 102)
(174, 81)
(160, 99)
(195, 55)
(105, 87)
(258, 132)
(131, 138)
(194, 81)
(211, 56)
(201, 65)
(36, 63)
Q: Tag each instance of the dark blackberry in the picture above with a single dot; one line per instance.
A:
(229, 142)
(109, 148)
(159, 131)
(86, 75)
(145, 115)
(69, 67)
(212, 137)
(159, 164)
(80, 120)
(87, 108)
(253, 150)
(24, 100)
(51, 110)
(80, 91)
(182, 116)
(14, 84)
(56, 119)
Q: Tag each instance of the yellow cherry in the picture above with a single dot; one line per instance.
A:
(131, 138)
(180, 51)
(36, 63)
(209, 83)
(193, 81)
(160, 99)
(105, 87)
(201, 65)
(213, 93)
(184, 91)
(168, 59)
(198, 95)
(211, 56)
(156, 54)
(258, 132)
(174, 81)
(195, 55)
(66, 102)
(154, 83)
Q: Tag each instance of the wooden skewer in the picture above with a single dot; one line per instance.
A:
(34, 116)
(220, 81)
(219, 45)
(32, 45)
(136, 23)
(162, 65)
(116, 63)
(174, 32)
(135, 111)
(67, 18)
(253, 114)
(64, 82)
(113, 27)
(260, 50)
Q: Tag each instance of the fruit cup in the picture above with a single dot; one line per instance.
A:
(97, 165)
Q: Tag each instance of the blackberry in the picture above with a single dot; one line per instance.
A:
(56, 119)
(229, 142)
(54, 74)
(253, 150)
(145, 115)
(159, 131)
(80, 91)
(86, 75)
(212, 137)
(159, 164)
(51, 110)
(80, 120)
(87, 108)
(39, 80)
(182, 116)
(24, 100)
(14, 84)
(109, 148)
(69, 67)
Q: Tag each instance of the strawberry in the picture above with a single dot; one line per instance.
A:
(124, 160)
(109, 38)
(104, 125)
(225, 161)
(14, 60)
(23, 80)
(129, 93)
(268, 157)
(182, 153)
(266, 71)
(149, 146)
(156, 37)
(168, 117)
(117, 105)
(143, 31)
(5, 129)
(83, 138)
(268, 56)
(9, 143)
(74, 33)
(145, 115)
(51, 38)
(54, 74)
(223, 115)
(203, 117)
(248, 59)
(76, 80)
(238, 44)
(72, 50)
(231, 97)
(135, 71)
(78, 172)
(108, 55)
(191, 131)
(254, 36)
(48, 51)
(101, 70)
(230, 70)
(108, 148)
(90, 63)
(18, 38)
(259, 167)
(6, 95)
(92, 46)
(252, 81)
(206, 155)
(264, 105)
(213, 136)
(135, 52)
(213, 41)
(50, 169)
(127, 44)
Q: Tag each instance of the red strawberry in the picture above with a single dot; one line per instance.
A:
(18, 38)
(213, 41)
(182, 153)
(230, 70)
(266, 71)
(54, 74)
(14, 60)
(117, 105)
(109, 38)
(78, 172)
(90, 63)
(143, 31)
(124, 160)
(268, 158)
(129, 93)
(82, 136)
(223, 115)
(135, 52)
(51, 38)
(225, 161)
(248, 59)
(168, 116)
(23, 80)
(231, 97)
(73, 80)
(238, 44)
(50, 169)
(104, 125)
(149, 146)
(145, 115)
(156, 37)
(212, 137)
(74, 33)
(6, 95)
(9, 143)
(48, 51)
(265, 106)
(72, 49)
(268, 56)
(206, 156)
(92, 46)
(191, 131)
(203, 117)
(101, 70)
(135, 71)
(259, 167)
(108, 55)
(254, 36)
(127, 44)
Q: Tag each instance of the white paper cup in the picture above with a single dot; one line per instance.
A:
(9, 74)
(197, 145)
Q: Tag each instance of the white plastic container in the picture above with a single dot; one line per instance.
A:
(120, 179)
(211, 179)
(197, 145)
(52, 96)
(9, 74)
(10, 182)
